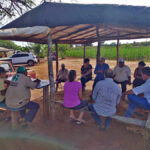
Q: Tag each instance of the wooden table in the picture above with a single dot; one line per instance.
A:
(44, 84)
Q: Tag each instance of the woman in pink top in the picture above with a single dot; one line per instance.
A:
(72, 97)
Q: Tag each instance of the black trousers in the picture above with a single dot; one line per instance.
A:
(123, 85)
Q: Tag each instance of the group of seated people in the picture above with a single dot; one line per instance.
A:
(15, 93)
(106, 93)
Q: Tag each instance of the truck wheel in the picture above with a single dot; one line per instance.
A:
(30, 63)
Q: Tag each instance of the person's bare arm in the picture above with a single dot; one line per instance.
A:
(80, 94)
(135, 73)
(129, 92)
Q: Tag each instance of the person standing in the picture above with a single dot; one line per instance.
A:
(106, 96)
(136, 101)
(100, 68)
(138, 75)
(86, 73)
(18, 95)
(122, 75)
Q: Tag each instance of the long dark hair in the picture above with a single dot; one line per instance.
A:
(72, 75)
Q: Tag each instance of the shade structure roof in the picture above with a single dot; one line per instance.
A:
(78, 23)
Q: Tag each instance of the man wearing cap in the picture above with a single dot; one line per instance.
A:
(100, 68)
(106, 96)
(133, 95)
(18, 94)
(122, 75)
(62, 75)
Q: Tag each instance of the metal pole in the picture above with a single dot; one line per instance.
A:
(117, 46)
(51, 75)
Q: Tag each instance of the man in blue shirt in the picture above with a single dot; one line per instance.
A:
(137, 101)
(100, 69)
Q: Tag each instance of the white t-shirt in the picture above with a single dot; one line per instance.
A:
(121, 74)
(144, 88)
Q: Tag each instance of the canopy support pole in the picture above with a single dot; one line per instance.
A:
(57, 65)
(117, 46)
(51, 75)
(84, 53)
(99, 45)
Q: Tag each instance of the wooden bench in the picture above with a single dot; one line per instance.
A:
(142, 123)
(14, 112)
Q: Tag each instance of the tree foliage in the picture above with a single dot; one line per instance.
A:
(13, 7)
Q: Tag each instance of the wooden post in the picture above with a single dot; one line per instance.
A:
(99, 44)
(45, 103)
(57, 65)
(117, 46)
(84, 53)
(98, 51)
(51, 75)
(14, 116)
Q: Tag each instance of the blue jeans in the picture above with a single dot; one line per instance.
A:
(123, 85)
(136, 102)
(33, 109)
(97, 118)
(84, 80)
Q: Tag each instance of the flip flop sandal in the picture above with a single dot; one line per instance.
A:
(79, 123)
(73, 120)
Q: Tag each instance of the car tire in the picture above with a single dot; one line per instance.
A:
(30, 63)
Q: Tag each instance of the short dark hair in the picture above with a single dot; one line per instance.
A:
(86, 60)
(72, 75)
(146, 70)
(2, 70)
(142, 63)
(109, 73)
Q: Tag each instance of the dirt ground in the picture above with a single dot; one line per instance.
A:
(66, 135)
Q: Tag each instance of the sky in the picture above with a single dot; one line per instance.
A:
(120, 2)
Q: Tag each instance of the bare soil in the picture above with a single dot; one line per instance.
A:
(62, 134)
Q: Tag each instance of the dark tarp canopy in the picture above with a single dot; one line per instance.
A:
(78, 23)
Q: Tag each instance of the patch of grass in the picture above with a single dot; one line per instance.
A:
(129, 52)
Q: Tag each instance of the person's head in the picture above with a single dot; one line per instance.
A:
(121, 63)
(72, 75)
(108, 73)
(22, 70)
(62, 66)
(146, 73)
(2, 72)
(141, 64)
(101, 61)
(86, 62)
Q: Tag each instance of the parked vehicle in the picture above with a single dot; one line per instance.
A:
(24, 58)
(11, 70)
